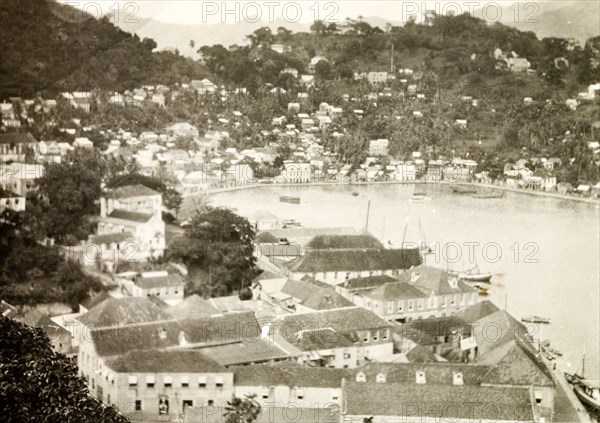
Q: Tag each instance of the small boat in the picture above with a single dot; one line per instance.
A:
(464, 190)
(483, 291)
(536, 319)
(488, 196)
(288, 199)
(419, 197)
(587, 390)
(291, 223)
(475, 275)
(355, 194)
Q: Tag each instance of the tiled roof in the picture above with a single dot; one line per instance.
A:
(127, 191)
(421, 354)
(119, 340)
(265, 238)
(324, 340)
(314, 296)
(477, 311)
(192, 307)
(368, 282)
(315, 261)
(129, 215)
(164, 361)
(301, 236)
(433, 280)
(95, 299)
(170, 280)
(246, 351)
(335, 242)
(17, 138)
(279, 250)
(289, 374)
(343, 320)
(395, 291)
(269, 414)
(123, 311)
(435, 373)
(447, 403)
(217, 329)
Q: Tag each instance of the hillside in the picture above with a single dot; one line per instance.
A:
(63, 49)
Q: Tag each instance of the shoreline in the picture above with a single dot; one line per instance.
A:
(546, 194)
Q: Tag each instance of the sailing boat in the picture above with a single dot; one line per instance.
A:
(587, 390)
(475, 275)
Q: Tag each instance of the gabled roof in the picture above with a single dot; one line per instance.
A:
(129, 215)
(123, 311)
(315, 296)
(127, 191)
(95, 299)
(338, 242)
(164, 361)
(314, 261)
(265, 238)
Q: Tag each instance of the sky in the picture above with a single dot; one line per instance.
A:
(190, 12)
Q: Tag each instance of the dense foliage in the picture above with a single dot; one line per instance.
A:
(40, 385)
(218, 248)
(242, 410)
(64, 49)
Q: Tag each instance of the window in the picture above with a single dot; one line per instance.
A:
(138, 405)
(202, 382)
(150, 381)
(366, 339)
(211, 402)
(458, 378)
(300, 394)
(453, 300)
(420, 377)
(346, 355)
(400, 306)
(361, 377)
(133, 381)
(411, 304)
(390, 307)
(376, 336)
(420, 303)
(168, 381)
(187, 403)
(538, 397)
(185, 382)
(108, 399)
(219, 381)
(444, 301)
(380, 378)
(385, 334)
(265, 394)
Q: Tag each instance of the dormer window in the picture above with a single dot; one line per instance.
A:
(458, 378)
(420, 377)
(453, 282)
(162, 333)
(381, 378)
(360, 377)
(414, 276)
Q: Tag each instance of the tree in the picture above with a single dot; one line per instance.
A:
(240, 410)
(218, 246)
(70, 188)
(40, 385)
(323, 69)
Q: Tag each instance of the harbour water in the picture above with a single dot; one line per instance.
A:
(544, 252)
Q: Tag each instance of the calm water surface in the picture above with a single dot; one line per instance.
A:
(545, 252)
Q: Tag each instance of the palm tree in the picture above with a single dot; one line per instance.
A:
(240, 410)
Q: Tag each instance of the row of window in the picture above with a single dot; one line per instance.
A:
(431, 303)
(168, 382)
(375, 337)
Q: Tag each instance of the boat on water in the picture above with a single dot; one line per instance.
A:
(288, 199)
(587, 390)
(355, 194)
(536, 319)
(419, 197)
(287, 223)
(475, 275)
(488, 196)
(463, 190)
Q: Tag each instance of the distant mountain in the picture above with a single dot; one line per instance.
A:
(579, 20)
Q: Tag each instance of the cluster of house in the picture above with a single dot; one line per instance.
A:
(512, 62)
(305, 347)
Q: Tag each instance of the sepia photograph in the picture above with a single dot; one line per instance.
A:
(379, 211)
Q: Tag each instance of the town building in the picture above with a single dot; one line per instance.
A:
(17, 146)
